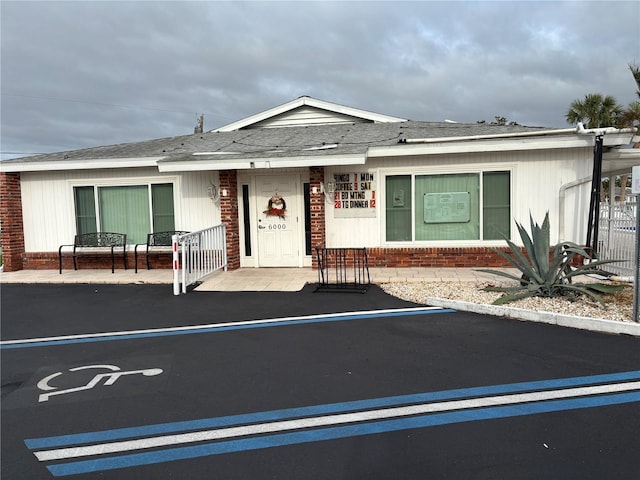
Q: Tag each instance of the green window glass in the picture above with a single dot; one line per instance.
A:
(398, 208)
(447, 207)
(496, 197)
(162, 207)
(128, 209)
(125, 210)
(85, 210)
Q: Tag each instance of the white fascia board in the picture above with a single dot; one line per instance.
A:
(617, 139)
(620, 161)
(253, 163)
(623, 154)
(202, 165)
(480, 146)
(86, 164)
(322, 161)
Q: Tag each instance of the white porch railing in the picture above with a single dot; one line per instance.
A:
(199, 254)
(617, 237)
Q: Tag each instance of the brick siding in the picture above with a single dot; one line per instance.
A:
(317, 206)
(49, 261)
(436, 257)
(12, 236)
(229, 216)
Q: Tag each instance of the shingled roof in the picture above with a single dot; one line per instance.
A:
(317, 140)
(302, 132)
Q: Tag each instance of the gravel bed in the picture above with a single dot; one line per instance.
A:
(620, 309)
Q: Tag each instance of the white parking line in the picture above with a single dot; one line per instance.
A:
(326, 317)
(329, 420)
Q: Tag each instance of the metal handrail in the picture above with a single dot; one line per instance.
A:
(617, 237)
(196, 255)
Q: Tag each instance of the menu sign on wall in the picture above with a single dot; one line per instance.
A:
(354, 195)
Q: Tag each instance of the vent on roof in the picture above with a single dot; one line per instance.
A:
(323, 147)
(215, 153)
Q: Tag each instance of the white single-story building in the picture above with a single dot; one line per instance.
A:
(309, 174)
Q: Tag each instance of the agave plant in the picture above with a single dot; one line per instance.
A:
(547, 272)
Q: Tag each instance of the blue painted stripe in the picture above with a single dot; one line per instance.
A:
(343, 407)
(332, 433)
(225, 328)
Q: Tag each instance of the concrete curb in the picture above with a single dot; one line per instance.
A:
(583, 323)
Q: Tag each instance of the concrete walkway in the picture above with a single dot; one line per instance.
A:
(244, 279)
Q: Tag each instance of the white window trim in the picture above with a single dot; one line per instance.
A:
(96, 183)
(441, 170)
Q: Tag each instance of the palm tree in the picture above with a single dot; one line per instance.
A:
(631, 115)
(595, 111)
(635, 71)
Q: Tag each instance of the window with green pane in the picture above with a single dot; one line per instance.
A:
(496, 205)
(125, 210)
(131, 209)
(85, 204)
(447, 207)
(162, 207)
(398, 208)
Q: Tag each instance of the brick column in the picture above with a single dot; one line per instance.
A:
(12, 237)
(229, 216)
(316, 177)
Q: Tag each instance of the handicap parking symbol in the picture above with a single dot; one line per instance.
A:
(100, 379)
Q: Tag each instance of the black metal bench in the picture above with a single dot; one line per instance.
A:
(343, 269)
(99, 244)
(157, 244)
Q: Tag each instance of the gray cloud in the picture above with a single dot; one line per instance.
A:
(80, 74)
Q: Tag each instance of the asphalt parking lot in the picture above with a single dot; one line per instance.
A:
(130, 382)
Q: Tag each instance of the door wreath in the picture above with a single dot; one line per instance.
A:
(276, 207)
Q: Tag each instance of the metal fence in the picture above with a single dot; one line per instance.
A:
(617, 237)
(343, 269)
(196, 255)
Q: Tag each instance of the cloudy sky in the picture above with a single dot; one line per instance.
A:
(80, 74)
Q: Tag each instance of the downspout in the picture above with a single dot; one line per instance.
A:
(602, 131)
(596, 181)
(563, 189)
(594, 205)
(563, 192)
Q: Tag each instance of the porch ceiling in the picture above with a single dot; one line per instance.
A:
(620, 160)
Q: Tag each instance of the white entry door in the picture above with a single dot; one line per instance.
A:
(278, 221)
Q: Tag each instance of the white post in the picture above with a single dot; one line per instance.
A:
(176, 265)
(223, 241)
(636, 292)
(635, 189)
(184, 270)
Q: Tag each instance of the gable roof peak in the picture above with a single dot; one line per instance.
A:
(334, 113)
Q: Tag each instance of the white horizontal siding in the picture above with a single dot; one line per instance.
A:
(351, 232)
(536, 184)
(197, 211)
(49, 211)
(306, 116)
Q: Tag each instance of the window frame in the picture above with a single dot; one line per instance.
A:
(128, 182)
(414, 172)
